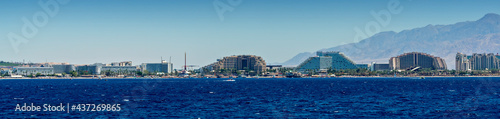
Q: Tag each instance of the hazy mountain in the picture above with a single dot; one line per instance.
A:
(481, 36)
(298, 59)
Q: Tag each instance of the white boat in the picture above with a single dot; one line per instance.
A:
(16, 76)
(230, 80)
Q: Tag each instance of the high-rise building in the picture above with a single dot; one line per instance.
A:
(379, 67)
(239, 62)
(327, 60)
(462, 62)
(477, 61)
(164, 67)
(416, 59)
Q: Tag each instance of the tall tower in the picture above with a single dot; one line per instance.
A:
(185, 64)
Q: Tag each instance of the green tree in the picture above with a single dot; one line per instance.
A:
(139, 73)
(74, 73)
(494, 71)
(238, 72)
(453, 72)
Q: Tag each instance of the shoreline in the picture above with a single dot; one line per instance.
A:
(261, 77)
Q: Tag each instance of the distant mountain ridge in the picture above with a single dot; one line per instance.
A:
(481, 36)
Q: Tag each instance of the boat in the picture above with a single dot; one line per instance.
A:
(230, 79)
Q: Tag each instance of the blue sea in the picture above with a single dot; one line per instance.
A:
(259, 98)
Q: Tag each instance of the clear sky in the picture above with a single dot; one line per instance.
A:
(142, 31)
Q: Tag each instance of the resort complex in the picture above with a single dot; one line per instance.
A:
(328, 60)
(239, 62)
(416, 60)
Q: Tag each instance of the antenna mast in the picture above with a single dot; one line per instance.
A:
(185, 64)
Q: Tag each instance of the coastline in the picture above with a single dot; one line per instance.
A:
(70, 78)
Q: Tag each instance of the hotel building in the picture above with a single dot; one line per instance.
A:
(25, 71)
(477, 61)
(416, 59)
(59, 69)
(94, 69)
(239, 62)
(164, 67)
(379, 67)
(327, 60)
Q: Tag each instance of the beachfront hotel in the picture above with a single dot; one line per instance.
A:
(239, 62)
(93, 69)
(416, 59)
(477, 61)
(63, 68)
(164, 67)
(25, 71)
(379, 67)
(327, 60)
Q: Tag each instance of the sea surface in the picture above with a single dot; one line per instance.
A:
(259, 98)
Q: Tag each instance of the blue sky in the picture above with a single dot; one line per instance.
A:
(90, 31)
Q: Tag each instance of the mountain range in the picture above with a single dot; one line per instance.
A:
(481, 36)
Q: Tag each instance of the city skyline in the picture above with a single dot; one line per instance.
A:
(143, 32)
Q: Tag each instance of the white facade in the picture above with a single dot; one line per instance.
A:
(34, 70)
(157, 67)
(119, 68)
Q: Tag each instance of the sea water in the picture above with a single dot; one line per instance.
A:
(259, 98)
